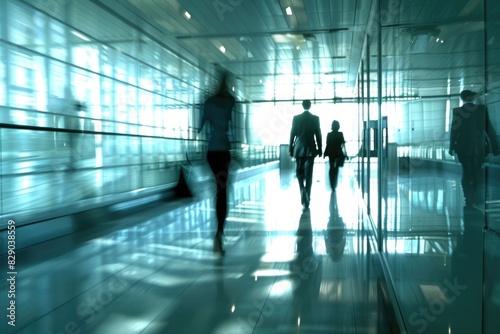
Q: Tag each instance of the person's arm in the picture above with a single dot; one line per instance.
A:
(455, 124)
(203, 120)
(343, 146)
(327, 146)
(230, 124)
(292, 137)
(319, 138)
(492, 136)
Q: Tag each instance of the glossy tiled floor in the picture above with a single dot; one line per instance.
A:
(286, 270)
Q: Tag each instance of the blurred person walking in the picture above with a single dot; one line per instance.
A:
(217, 113)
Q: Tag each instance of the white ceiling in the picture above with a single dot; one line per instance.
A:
(316, 52)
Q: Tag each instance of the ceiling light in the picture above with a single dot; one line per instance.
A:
(222, 49)
(187, 15)
(289, 11)
(81, 36)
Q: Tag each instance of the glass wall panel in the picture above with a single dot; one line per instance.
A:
(431, 236)
(92, 109)
(491, 305)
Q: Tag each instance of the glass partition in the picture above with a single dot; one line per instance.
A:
(87, 120)
(438, 245)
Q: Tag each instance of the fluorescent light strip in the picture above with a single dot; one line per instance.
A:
(81, 36)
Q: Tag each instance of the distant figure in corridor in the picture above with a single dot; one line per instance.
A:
(472, 138)
(335, 151)
(217, 112)
(305, 145)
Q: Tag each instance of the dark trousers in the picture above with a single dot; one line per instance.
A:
(333, 173)
(304, 172)
(472, 178)
(219, 164)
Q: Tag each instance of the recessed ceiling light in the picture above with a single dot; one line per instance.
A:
(222, 49)
(81, 36)
(288, 11)
(187, 15)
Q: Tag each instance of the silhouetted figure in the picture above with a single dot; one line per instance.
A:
(472, 136)
(305, 144)
(335, 236)
(335, 151)
(217, 112)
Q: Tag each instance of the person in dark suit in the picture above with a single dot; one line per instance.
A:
(305, 145)
(335, 151)
(472, 137)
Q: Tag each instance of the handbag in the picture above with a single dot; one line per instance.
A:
(341, 157)
(340, 160)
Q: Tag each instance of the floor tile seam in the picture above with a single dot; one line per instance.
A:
(111, 231)
(264, 304)
(75, 297)
(112, 248)
(135, 283)
(350, 273)
(113, 275)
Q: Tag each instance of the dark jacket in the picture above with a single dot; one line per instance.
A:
(472, 133)
(334, 142)
(305, 136)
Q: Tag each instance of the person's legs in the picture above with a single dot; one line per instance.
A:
(219, 164)
(471, 176)
(299, 171)
(333, 174)
(300, 174)
(477, 180)
(308, 175)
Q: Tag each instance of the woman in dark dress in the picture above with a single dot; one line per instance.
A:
(335, 151)
(217, 112)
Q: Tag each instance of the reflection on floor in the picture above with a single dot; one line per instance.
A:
(286, 270)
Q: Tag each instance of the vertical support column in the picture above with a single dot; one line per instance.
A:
(5, 55)
(367, 133)
(4, 21)
(380, 154)
(360, 126)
